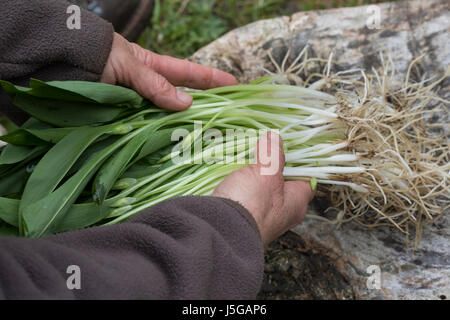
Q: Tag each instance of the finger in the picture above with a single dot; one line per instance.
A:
(156, 88)
(188, 74)
(297, 195)
(270, 155)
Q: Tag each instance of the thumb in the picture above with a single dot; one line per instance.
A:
(297, 195)
(156, 88)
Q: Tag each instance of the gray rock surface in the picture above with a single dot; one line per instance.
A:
(406, 30)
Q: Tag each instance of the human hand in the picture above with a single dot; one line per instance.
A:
(154, 76)
(275, 204)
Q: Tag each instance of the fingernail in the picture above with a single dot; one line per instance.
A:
(184, 97)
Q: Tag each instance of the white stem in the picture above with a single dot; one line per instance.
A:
(304, 134)
(332, 159)
(354, 186)
(321, 150)
(312, 171)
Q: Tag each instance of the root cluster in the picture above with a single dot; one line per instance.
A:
(400, 130)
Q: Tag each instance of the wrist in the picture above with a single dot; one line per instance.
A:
(244, 213)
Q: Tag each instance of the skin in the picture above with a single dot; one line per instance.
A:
(275, 204)
(155, 76)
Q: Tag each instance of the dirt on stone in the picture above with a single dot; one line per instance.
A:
(294, 272)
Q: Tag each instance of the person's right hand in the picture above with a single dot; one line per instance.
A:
(275, 204)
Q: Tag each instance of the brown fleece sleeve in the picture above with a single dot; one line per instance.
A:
(184, 248)
(36, 42)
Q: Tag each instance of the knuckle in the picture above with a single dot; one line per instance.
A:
(135, 50)
(209, 77)
(148, 59)
(191, 69)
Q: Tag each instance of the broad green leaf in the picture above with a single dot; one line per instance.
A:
(42, 217)
(56, 163)
(66, 113)
(146, 163)
(35, 124)
(5, 169)
(15, 154)
(83, 215)
(156, 156)
(138, 171)
(78, 216)
(13, 182)
(51, 135)
(46, 90)
(97, 146)
(8, 231)
(21, 137)
(158, 140)
(116, 165)
(88, 92)
(12, 89)
(8, 124)
(29, 163)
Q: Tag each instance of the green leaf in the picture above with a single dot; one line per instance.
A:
(87, 92)
(13, 182)
(52, 135)
(100, 144)
(66, 113)
(8, 124)
(116, 165)
(156, 156)
(9, 210)
(138, 171)
(78, 216)
(12, 89)
(124, 183)
(56, 163)
(14, 154)
(5, 169)
(21, 137)
(42, 217)
(159, 139)
(35, 124)
(8, 231)
(158, 146)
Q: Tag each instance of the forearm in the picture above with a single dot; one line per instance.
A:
(193, 247)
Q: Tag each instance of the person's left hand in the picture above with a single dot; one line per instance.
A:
(154, 76)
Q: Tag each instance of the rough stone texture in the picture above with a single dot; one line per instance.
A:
(294, 270)
(323, 261)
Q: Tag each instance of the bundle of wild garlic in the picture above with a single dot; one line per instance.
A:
(95, 154)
